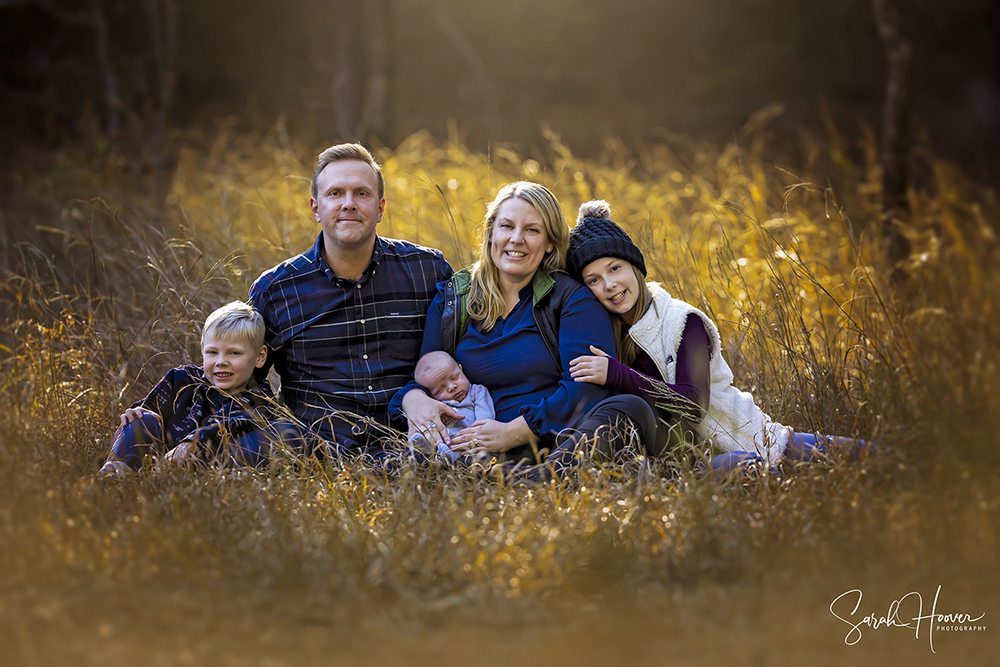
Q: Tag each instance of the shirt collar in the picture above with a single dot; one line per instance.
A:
(378, 251)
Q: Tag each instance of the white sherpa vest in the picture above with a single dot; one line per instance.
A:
(733, 421)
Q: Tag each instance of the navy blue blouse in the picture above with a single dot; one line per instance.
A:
(512, 361)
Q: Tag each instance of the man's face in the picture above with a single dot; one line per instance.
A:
(347, 205)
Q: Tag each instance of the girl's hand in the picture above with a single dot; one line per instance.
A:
(427, 416)
(490, 436)
(590, 369)
(132, 414)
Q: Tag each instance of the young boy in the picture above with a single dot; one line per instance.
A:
(194, 406)
(442, 376)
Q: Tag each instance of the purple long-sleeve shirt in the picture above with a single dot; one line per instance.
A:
(693, 382)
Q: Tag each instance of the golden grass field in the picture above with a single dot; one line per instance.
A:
(110, 268)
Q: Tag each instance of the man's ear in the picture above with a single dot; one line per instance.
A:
(261, 356)
(315, 209)
(381, 210)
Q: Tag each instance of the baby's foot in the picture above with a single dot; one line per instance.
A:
(114, 468)
(181, 453)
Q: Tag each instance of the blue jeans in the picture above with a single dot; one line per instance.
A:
(137, 438)
(801, 447)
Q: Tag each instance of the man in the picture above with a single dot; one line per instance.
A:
(346, 318)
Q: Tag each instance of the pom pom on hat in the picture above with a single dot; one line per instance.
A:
(596, 236)
(596, 208)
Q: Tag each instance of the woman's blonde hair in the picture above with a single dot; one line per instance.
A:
(486, 302)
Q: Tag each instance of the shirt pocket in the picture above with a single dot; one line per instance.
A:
(402, 331)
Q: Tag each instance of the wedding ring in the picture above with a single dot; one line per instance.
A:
(431, 425)
(475, 442)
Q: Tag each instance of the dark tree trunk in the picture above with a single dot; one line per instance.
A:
(896, 119)
(102, 42)
(477, 67)
(162, 15)
(360, 74)
(343, 93)
(378, 16)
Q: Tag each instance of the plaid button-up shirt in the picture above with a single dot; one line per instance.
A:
(345, 346)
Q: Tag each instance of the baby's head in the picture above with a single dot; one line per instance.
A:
(232, 346)
(442, 375)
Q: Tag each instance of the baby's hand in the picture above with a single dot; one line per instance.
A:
(132, 414)
(450, 422)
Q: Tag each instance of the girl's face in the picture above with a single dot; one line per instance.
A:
(613, 282)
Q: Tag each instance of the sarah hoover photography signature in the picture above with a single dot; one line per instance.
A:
(900, 615)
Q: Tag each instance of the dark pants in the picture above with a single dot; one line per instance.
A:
(608, 429)
(144, 435)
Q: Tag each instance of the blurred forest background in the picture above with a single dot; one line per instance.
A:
(588, 69)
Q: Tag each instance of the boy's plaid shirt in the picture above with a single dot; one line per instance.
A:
(341, 345)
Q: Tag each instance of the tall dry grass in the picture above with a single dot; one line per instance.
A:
(108, 274)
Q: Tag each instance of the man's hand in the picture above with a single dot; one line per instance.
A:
(132, 414)
(590, 369)
(427, 416)
(491, 436)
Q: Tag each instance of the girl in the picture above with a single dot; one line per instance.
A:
(669, 353)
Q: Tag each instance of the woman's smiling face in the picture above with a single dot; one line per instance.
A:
(519, 242)
(613, 282)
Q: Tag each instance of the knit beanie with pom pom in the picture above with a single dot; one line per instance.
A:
(596, 236)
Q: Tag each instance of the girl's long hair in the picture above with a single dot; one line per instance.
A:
(486, 301)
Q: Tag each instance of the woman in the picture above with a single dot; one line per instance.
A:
(669, 353)
(514, 322)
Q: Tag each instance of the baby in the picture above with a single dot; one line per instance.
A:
(442, 376)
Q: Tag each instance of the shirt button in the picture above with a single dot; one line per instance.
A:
(364, 356)
(369, 387)
(449, 303)
(362, 321)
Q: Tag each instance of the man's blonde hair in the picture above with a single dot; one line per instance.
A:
(236, 320)
(486, 302)
(347, 152)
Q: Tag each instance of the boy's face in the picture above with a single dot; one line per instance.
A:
(447, 382)
(228, 362)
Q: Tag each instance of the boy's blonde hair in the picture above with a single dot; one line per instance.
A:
(236, 320)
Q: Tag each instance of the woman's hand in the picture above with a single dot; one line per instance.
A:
(427, 416)
(491, 436)
(131, 414)
(590, 369)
